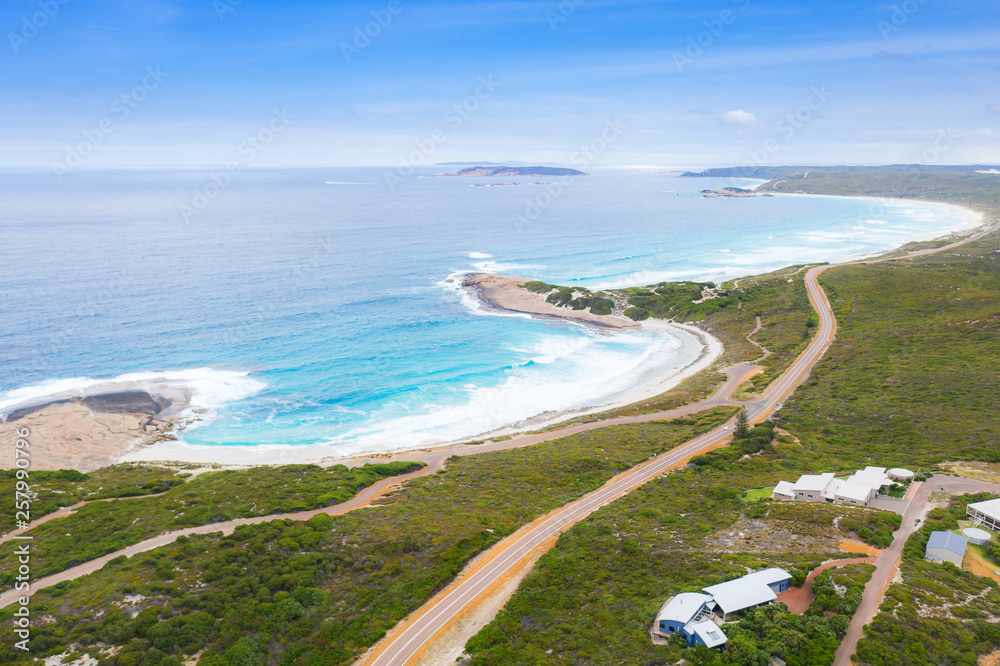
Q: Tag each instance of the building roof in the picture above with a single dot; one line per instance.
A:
(768, 576)
(683, 607)
(813, 482)
(900, 473)
(854, 491)
(830, 492)
(784, 488)
(990, 508)
(708, 632)
(873, 477)
(948, 541)
(741, 593)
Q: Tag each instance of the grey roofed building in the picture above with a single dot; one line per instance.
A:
(946, 547)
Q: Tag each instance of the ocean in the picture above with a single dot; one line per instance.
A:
(317, 306)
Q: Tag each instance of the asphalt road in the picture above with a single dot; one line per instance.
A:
(408, 639)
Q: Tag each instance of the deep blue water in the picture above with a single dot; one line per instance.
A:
(307, 306)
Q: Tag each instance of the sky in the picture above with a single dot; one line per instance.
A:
(206, 83)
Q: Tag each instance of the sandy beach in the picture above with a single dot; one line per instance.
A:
(697, 350)
(144, 421)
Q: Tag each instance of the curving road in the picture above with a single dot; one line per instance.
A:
(410, 638)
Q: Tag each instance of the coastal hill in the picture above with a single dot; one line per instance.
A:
(501, 170)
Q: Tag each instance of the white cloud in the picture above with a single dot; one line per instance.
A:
(740, 118)
(983, 131)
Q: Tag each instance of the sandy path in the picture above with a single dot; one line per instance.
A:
(887, 562)
(798, 598)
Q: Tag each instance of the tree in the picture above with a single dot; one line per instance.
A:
(742, 425)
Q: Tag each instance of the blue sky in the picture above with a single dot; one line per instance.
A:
(717, 82)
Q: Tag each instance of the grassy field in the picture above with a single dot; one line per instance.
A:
(758, 494)
(322, 592)
(104, 527)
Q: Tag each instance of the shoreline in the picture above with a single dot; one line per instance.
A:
(707, 349)
(90, 430)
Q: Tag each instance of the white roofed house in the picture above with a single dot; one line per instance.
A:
(784, 490)
(755, 589)
(985, 514)
(874, 477)
(690, 614)
(810, 487)
(854, 493)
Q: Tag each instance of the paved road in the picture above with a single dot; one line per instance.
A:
(887, 562)
(411, 636)
(408, 639)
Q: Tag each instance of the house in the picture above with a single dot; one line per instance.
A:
(859, 488)
(689, 614)
(693, 615)
(810, 487)
(784, 490)
(854, 493)
(777, 579)
(985, 514)
(873, 477)
(946, 547)
(750, 591)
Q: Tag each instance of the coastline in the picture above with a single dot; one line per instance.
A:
(504, 292)
(87, 431)
(704, 349)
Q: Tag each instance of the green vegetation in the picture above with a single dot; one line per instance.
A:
(211, 498)
(593, 598)
(322, 591)
(758, 494)
(599, 303)
(675, 300)
(913, 375)
(967, 187)
(754, 441)
(780, 300)
(52, 490)
(939, 614)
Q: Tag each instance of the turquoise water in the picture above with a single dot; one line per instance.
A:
(313, 306)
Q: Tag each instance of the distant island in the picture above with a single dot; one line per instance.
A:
(501, 170)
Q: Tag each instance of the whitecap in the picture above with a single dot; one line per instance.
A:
(197, 391)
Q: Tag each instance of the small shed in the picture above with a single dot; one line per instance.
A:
(946, 547)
